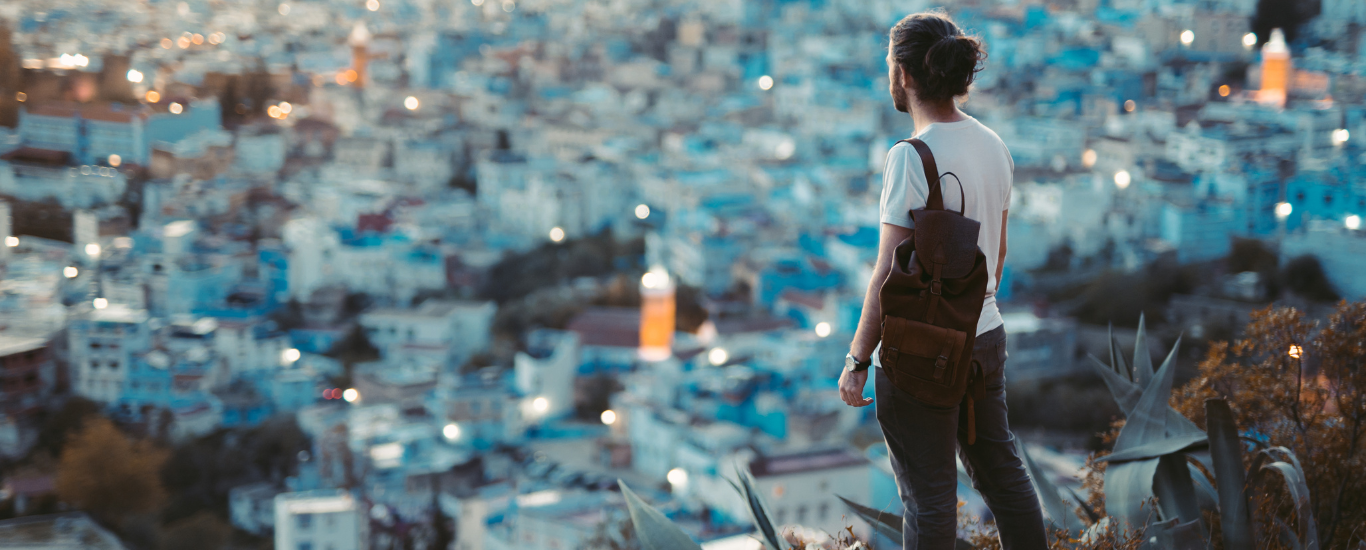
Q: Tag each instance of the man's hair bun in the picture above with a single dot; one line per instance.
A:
(941, 59)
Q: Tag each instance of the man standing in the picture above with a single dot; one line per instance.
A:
(930, 63)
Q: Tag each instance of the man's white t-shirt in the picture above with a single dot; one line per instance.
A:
(981, 161)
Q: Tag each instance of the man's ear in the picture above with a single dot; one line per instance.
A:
(906, 81)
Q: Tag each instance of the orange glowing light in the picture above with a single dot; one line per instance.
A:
(273, 112)
(166, 43)
(341, 79)
(197, 39)
(351, 75)
(183, 42)
(1224, 90)
(153, 96)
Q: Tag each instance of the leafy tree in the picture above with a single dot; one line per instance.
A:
(104, 472)
(200, 472)
(202, 531)
(1304, 275)
(59, 424)
(1299, 384)
(1286, 15)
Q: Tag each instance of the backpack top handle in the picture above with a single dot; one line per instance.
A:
(936, 198)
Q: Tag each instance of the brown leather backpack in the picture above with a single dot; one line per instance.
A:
(931, 302)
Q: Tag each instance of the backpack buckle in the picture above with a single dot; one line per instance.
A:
(936, 287)
(940, 364)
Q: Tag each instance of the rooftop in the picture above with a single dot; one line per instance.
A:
(10, 345)
(72, 530)
(805, 461)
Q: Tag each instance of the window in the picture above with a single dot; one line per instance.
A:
(304, 521)
(801, 514)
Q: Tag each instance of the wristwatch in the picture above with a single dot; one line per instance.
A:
(853, 364)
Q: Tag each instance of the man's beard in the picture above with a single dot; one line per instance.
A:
(899, 96)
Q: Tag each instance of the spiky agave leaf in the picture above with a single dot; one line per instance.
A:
(1127, 393)
(1174, 490)
(654, 530)
(1299, 490)
(1058, 512)
(885, 523)
(1206, 496)
(1226, 456)
(759, 510)
(1085, 507)
(1130, 483)
(965, 478)
(1143, 360)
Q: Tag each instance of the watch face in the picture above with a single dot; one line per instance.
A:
(850, 363)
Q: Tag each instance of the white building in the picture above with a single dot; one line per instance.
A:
(320, 520)
(800, 486)
(101, 343)
(1342, 254)
(252, 507)
(90, 133)
(388, 265)
(1200, 231)
(548, 371)
(260, 153)
(247, 346)
(73, 186)
(437, 330)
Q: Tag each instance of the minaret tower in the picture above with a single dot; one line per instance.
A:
(1275, 70)
(360, 51)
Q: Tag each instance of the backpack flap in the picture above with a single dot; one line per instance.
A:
(946, 238)
(922, 351)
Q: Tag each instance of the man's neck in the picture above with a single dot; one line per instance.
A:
(926, 114)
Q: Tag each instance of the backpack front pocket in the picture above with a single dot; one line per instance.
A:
(923, 359)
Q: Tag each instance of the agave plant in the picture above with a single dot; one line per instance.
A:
(1151, 462)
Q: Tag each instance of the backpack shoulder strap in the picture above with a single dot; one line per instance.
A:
(935, 201)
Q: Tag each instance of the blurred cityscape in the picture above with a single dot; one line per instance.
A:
(416, 274)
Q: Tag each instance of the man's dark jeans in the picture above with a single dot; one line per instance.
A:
(921, 441)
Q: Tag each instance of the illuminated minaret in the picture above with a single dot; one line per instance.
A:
(1275, 70)
(656, 315)
(360, 51)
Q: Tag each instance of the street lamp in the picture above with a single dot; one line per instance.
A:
(717, 356)
(451, 432)
(609, 417)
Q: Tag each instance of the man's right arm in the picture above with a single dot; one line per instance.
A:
(869, 331)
